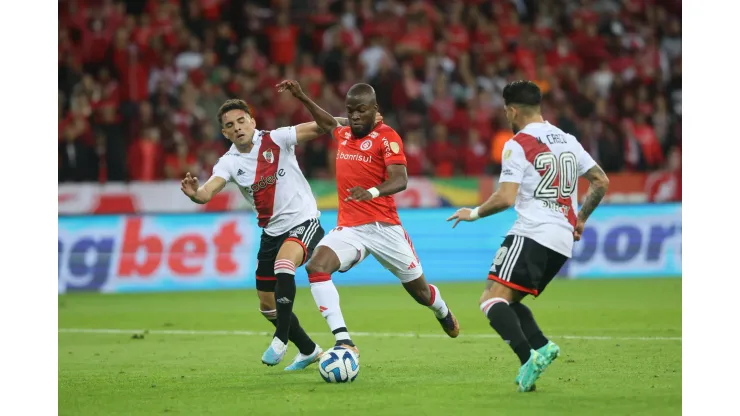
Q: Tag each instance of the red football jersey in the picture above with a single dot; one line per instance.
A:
(362, 162)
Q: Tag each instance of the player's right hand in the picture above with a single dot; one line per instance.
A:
(189, 185)
(578, 231)
(290, 85)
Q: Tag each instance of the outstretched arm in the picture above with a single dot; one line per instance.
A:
(201, 194)
(501, 200)
(324, 121)
(597, 190)
(309, 131)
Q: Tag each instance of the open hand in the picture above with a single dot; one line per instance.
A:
(290, 85)
(358, 194)
(189, 185)
(462, 214)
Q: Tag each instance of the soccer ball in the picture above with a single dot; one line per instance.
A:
(339, 365)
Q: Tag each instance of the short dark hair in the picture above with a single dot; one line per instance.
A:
(233, 104)
(522, 93)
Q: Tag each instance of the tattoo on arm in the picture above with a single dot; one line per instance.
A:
(596, 192)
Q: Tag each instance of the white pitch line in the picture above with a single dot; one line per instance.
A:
(360, 334)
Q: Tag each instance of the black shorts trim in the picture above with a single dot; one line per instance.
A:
(307, 234)
(525, 265)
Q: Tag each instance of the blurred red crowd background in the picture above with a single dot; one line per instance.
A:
(140, 82)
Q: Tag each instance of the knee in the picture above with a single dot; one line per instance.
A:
(318, 265)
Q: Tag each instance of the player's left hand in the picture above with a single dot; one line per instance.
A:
(358, 194)
(462, 214)
(290, 85)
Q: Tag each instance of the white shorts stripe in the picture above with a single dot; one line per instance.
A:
(515, 259)
(511, 257)
(312, 228)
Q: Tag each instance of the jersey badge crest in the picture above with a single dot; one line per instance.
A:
(395, 147)
(267, 154)
(367, 144)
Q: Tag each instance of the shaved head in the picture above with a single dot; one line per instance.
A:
(363, 92)
(361, 109)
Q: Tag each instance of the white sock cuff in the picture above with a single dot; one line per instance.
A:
(272, 314)
(485, 306)
(284, 266)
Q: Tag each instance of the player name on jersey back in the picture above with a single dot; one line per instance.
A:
(546, 163)
(271, 180)
(363, 162)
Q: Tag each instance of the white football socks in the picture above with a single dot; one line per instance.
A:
(326, 296)
(438, 304)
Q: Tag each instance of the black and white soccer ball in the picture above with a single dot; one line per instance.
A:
(339, 365)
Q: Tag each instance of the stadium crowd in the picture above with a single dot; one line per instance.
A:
(140, 81)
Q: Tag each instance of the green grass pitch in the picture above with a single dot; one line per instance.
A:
(620, 340)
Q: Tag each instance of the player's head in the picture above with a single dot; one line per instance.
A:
(361, 109)
(236, 121)
(522, 101)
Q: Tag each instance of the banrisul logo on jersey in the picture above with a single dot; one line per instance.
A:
(168, 252)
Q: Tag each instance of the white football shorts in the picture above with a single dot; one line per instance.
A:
(389, 244)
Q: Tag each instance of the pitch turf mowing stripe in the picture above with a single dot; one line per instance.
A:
(354, 333)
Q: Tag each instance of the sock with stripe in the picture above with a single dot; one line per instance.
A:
(529, 326)
(297, 334)
(437, 304)
(284, 297)
(326, 296)
(504, 320)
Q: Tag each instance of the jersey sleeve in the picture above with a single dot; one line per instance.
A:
(221, 169)
(393, 150)
(285, 137)
(513, 163)
(585, 161)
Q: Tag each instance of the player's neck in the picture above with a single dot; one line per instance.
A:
(533, 119)
(244, 148)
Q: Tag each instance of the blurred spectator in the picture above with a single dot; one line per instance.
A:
(474, 155)
(140, 82)
(441, 152)
(177, 164)
(416, 161)
(76, 160)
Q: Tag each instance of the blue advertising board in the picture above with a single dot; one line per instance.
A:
(218, 251)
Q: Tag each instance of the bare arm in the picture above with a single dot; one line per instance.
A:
(308, 131)
(597, 190)
(501, 200)
(324, 121)
(398, 180)
(202, 194)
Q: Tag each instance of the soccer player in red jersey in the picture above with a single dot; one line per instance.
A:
(371, 167)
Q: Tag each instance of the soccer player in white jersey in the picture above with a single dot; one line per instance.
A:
(264, 167)
(539, 177)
